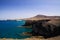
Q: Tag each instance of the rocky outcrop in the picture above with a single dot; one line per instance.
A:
(44, 28)
(31, 22)
(28, 23)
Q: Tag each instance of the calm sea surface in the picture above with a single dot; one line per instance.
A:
(12, 29)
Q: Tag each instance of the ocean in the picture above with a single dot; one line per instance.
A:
(13, 29)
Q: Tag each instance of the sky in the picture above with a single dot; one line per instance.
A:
(16, 9)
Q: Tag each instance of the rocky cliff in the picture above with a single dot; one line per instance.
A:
(45, 28)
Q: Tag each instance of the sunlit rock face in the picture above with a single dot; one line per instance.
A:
(45, 28)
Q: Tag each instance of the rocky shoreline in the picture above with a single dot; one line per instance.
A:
(34, 38)
(46, 28)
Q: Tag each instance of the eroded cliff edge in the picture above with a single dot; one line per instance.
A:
(46, 28)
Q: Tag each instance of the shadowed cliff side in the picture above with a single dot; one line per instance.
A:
(44, 28)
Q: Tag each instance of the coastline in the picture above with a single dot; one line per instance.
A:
(33, 38)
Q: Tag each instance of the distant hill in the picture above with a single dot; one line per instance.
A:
(40, 17)
(43, 16)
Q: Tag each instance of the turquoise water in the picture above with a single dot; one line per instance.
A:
(12, 29)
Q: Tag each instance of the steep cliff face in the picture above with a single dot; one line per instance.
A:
(45, 28)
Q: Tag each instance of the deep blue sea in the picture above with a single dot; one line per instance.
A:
(12, 29)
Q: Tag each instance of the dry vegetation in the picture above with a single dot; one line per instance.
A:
(34, 38)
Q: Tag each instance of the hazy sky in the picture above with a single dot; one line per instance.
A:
(10, 9)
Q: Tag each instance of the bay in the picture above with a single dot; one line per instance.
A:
(12, 29)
